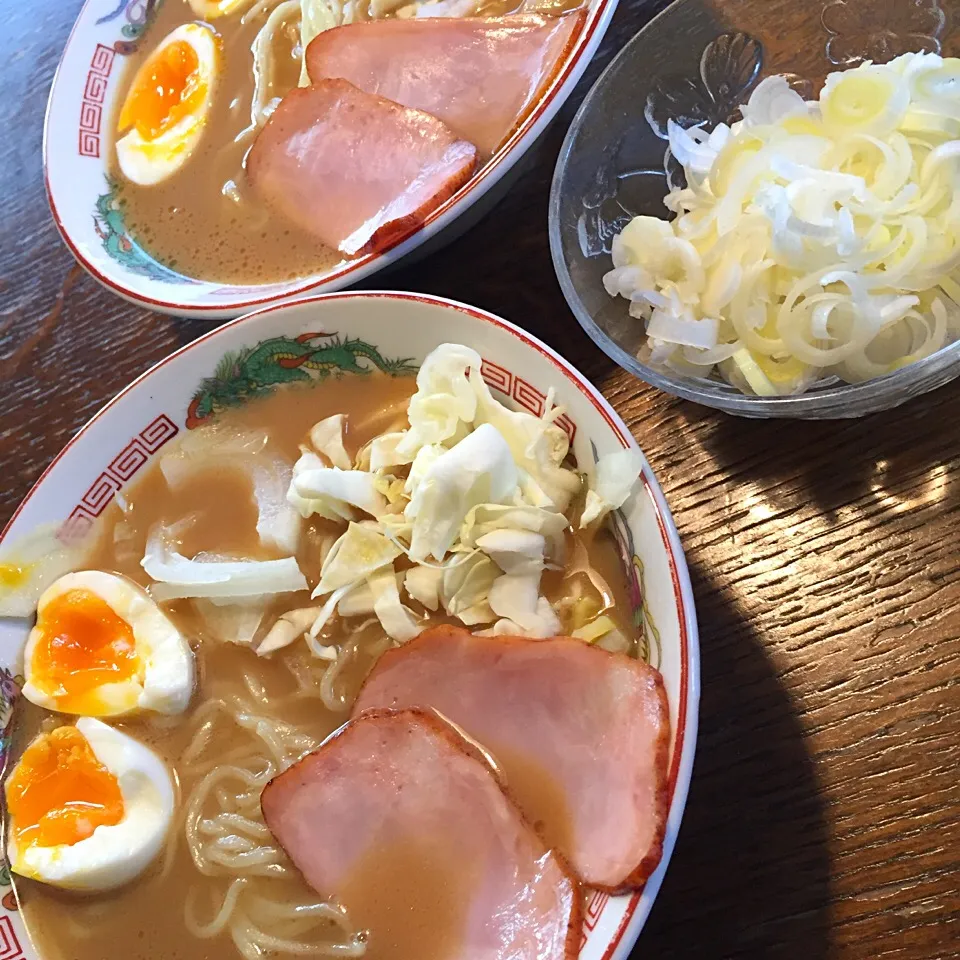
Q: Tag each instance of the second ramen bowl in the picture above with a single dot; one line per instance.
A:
(78, 145)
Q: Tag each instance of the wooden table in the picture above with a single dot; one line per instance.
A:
(824, 816)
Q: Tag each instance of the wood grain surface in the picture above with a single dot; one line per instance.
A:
(824, 815)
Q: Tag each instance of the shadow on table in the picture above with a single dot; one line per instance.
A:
(898, 460)
(750, 876)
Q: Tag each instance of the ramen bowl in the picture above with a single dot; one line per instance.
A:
(393, 331)
(698, 61)
(84, 194)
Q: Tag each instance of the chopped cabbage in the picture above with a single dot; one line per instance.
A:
(361, 551)
(235, 622)
(444, 399)
(337, 490)
(488, 517)
(452, 398)
(473, 497)
(398, 622)
(179, 576)
(614, 477)
(327, 438)
(514, 551)
(324, 616)
(383, 451)
(515, 598)
(360, 600)
(328, 508)
(538, 446)
(423, 585)
(465, 585)
(479, 469)
(594, 630)
(289, 627)
(812, 239)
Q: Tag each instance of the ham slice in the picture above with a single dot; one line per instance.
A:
(405, 824)
(582, 736)
(354, 169)
(479, 76)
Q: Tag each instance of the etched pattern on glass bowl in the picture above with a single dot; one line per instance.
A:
(688, 66)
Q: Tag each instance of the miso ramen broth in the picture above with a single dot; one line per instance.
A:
(223, 888)
(204, 219)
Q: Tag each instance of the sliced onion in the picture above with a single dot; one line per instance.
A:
(772, 101)
(863, 185)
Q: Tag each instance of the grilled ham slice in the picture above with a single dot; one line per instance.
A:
(401, 820)
(479, 76)
(355, 170)
(582, 736)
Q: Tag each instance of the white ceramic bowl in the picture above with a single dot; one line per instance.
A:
(178, 393)
(76, 147)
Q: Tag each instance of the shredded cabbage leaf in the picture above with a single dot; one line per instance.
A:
(326, 437)
(812, 239)
(516, 597)
(595, 629)
(331, 491)
(465, 586)
(614, 477)
(359, 602)
(288, 628)
(235, 623)
(478, 469)
(329, 508)
(423, 585)
(514, 551)
(398, 622)
(227, 580)
(361, 551)
(469, 501)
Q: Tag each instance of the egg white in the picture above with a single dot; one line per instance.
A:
(148, 162)
(111, 855)
(166, 684)
(29, 565)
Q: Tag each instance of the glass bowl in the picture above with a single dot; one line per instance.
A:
(699, 60)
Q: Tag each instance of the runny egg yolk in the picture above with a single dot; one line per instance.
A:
(13, 575)
(166, 88)
(82, 645)
(59, 792)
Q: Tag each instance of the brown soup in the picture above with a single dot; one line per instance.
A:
(204, 221)
(222, 889)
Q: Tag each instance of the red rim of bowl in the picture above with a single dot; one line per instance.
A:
(582, 54)
(681, 763)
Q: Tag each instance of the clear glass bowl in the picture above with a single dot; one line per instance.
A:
(698, 61)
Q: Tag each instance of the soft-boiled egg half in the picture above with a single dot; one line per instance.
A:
(29, 565)
(165, 113)
(102, 648)
(89, 807)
